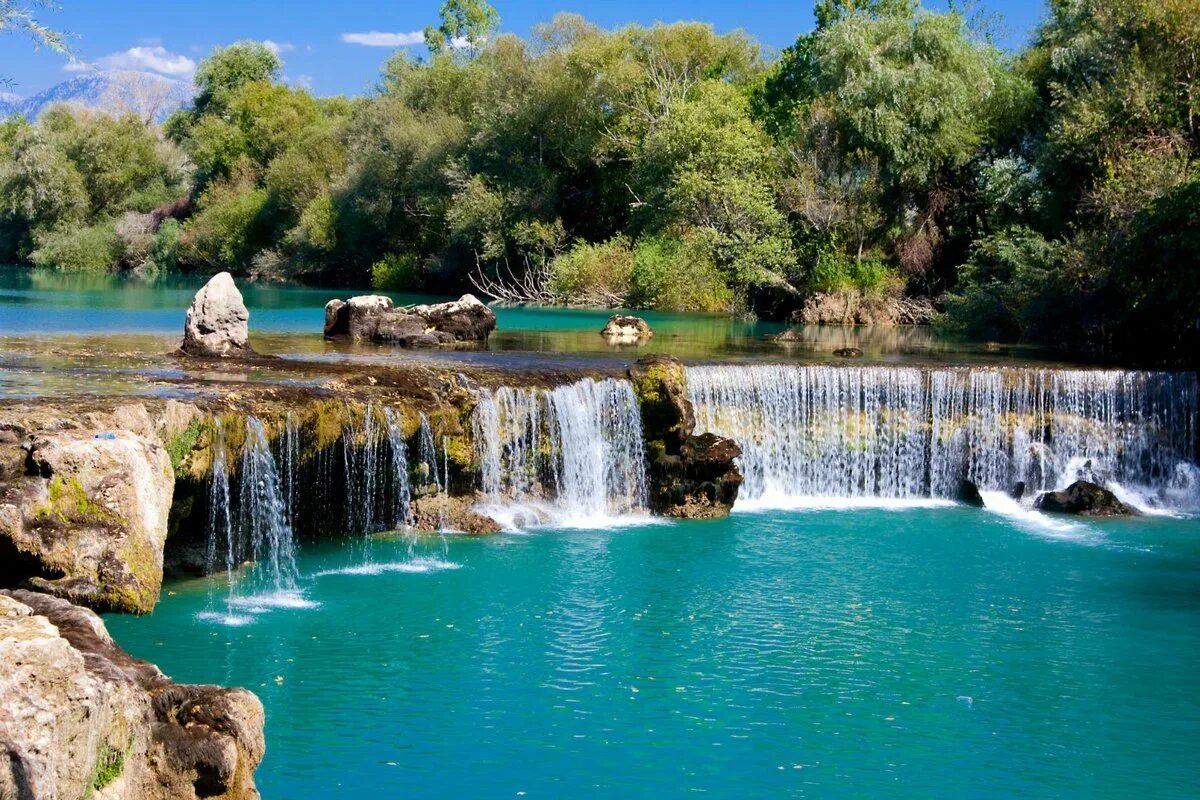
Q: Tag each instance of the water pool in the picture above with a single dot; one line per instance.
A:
(826, 653)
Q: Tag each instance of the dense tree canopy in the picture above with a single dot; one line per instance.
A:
(1045, 195)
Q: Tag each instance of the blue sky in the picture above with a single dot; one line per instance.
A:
(170, 37)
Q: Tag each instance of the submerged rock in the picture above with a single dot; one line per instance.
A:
(85, 517)
(968, 494)
(217, 322)
(83, 718)
(1086, 499)
(374, 318)
(848, 352)
(621, 329)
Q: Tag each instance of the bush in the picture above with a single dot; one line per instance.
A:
(91, 249)
(834, 271)
(163, 253)
(228, 230)
(593, 274)
(677, 274)
(1008, 288)
(396, 272)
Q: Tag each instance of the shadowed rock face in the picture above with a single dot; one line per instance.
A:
(373, 318)
(217, 322)
(82, 717)
(1086, 499)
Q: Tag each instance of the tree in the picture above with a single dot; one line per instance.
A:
(224, 73)
(465, 24)
(18, 17)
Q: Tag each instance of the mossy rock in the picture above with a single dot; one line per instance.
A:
(660, 383)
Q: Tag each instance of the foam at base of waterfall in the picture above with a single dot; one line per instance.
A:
(774, 500)
(519, 516)
(258, 603)
(417, 566)
(1037, 522)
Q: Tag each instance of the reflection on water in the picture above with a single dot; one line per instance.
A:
(112, 334)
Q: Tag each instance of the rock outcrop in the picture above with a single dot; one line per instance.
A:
(83, 513)
(79, 717)
(692, 476)
(852, 307)
(438, 512)
(374, 318)
(968, 494)
(217, 322)
(1086, 499)
(621, 329)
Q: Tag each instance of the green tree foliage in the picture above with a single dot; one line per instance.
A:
(464, 23)
(1048, 195)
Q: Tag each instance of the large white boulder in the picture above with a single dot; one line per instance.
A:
(217, 322)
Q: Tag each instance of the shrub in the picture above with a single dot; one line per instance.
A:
(593, 274)
(833, 271)
(678, 274)
(163, 253)
(396, 272)
(229, 229)
(1007, 289)
(91, 249)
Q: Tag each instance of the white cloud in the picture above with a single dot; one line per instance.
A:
(382, 39)
(301, 81)
(278, 47)
(144, 59)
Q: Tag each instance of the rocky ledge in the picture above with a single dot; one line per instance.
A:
(79, 717)
(691, 476)
(374, 318)
(84, 505)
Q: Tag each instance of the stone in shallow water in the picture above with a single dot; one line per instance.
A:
(1086, 499)
(217, 322)
(621, 329)
(968, 494)
(374, 318)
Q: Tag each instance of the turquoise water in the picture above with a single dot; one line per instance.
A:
(287, 319)
(936, 652)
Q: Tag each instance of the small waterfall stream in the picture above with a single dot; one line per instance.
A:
(264, 512)
(906, 433)
(573, 454)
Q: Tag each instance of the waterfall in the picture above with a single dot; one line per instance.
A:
(264, 511)
(575, 451)
(361, 446)
(220, 520)
(902, 433)
(401, 488)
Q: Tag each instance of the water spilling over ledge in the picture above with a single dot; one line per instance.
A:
(900, 433)
(574, 452)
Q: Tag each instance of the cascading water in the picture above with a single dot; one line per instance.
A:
(360, 466)
(221, 543)
(264, 512)
(902, 433)
(574, 452)
(253, 524)
(401, 488)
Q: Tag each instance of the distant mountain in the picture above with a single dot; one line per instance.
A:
(150, 96)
